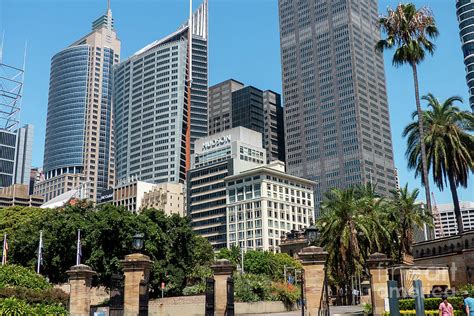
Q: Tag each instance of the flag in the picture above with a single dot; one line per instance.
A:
(5, 250)
(40, 253)
(79, 248)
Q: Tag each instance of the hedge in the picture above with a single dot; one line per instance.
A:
(428, 313)
(430, 303)
(48, 297)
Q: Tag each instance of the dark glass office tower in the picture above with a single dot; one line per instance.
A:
(337, 124)
(465, 13)
(231, 104)
(247, 109)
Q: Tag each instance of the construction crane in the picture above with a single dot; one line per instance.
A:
(437, 217)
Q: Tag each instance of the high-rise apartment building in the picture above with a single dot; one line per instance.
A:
(464, 11)
(232, 104)
(79, 129)
(15, 156)
(337, 126)
(445, 219)
(158, 111)
(216, 157)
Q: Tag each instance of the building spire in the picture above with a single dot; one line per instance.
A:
(105, 20)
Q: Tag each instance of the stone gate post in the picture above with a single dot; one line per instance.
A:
(313, 260)
(80, 277)
(136, 268)
(378, 269)
(222, 270)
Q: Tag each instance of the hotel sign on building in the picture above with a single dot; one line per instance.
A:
(217, 142)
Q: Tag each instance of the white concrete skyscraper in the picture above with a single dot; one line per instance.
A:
(159, 108)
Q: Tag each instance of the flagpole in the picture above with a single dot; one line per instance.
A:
(78, 251)
(40, 252)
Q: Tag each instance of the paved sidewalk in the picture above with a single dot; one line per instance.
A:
(341, 310)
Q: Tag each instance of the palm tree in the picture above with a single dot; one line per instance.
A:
(449, 145)
(410, 30)
(404, 215)
(350, 229)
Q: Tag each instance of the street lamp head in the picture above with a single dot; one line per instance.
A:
(137, 242)
(311, 233)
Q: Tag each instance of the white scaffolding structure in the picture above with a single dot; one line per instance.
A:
(11, 92)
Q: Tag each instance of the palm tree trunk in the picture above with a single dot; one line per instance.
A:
(457, 208)
(424, 161)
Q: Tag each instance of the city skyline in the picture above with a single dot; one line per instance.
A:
(398, 80)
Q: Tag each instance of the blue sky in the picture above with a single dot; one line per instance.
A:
(244, 44)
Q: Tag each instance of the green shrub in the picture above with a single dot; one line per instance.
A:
(49, 296)
(427, 313)
(286, 293)
(13, 275)
(50, 310)
(195, 289)
(17, 307)
(252, 288)
(430, 303)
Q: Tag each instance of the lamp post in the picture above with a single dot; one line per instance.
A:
(137, 242)
(311, 234)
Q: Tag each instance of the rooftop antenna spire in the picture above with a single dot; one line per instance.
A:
(108, 5)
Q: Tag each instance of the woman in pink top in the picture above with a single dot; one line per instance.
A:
(445, 308)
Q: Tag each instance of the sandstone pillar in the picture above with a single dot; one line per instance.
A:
(80, 277)
(222, 270)
(378, 269)
(136, 268)
(313, 260)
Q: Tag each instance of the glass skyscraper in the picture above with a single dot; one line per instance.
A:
(465, 13)
(337, 124)
(15, 156)
(158, 111)
(79, 139)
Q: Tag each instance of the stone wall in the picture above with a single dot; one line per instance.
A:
(194, 306)
(98, 294)
(455, 252)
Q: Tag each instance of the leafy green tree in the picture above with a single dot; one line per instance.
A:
(107, 234)
(410, 31)
(404, 214)
(448, 142)
(233, 254)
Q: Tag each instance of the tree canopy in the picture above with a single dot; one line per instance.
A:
(107, 234)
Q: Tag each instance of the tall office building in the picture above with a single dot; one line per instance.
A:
(156, 123)
(216, 157)
(464, 11)
(232, 104)
(274, 130)
(220, 105)
(15, 156)
(79, 136)
(337, 125)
